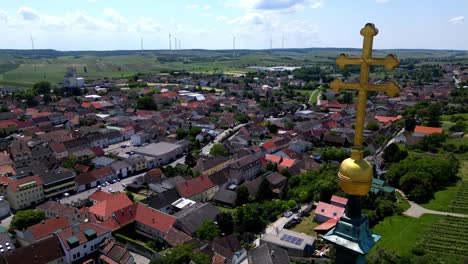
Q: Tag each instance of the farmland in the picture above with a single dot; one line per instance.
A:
(23, 68)
(447, 239)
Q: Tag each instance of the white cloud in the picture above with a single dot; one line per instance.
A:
(4, 16)
(147, 24)
(206, 7)
(114, 16)
(275, 5)
(222, 18)
(192, 6)
(382, 1)
(27, 13)
(457, 20)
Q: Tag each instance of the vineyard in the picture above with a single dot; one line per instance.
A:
(460, 202)
(447, 239)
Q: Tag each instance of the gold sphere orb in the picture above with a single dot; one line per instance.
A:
(355, 176)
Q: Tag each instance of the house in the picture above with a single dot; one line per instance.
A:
(325, 211)
(140, 138)
(23, 192)
(277, 182)
(421, 131)
(227, 247)
(300, 146)
(339, 201)
(154, 176)
(175, 237)
(199, 189)
(121, 168)
(100, 162)
(41, 231)
(92, 179)
(295, 243)
(245, 169)
(208, 165)
(327, 226)
(106, 208)
(113, 253)
(189, 219)
(163, 201)
(253, 186)
(225, 198)
(160, 153)
(137, 163)
(54, 209)
(5, 209)
(82, 239)
(57, 181)
(7, 244)
(149, 222)
(43, 252)
(265, 253)
(59, 151)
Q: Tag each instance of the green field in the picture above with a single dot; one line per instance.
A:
(447, 239)
(25, 67)
(314, 97)
(307, 225)
(400, 233)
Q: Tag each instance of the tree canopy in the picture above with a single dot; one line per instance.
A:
(207, 231)
(26, 218)
(218, 150)
(183, 254)
(146, 103)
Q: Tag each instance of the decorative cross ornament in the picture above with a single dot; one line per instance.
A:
(391, 88)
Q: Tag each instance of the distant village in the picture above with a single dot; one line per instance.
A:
(141, 166)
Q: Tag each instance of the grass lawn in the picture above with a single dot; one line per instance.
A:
(138, 196)
(307, 225)
(400, 233)
(226, 210)
(402, 202)
(314, 97)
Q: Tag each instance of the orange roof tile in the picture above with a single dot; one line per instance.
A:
(386, 119)
(287, 163)
(15, 183)
(273, 158)
(194, 186)
(47, 227)
(269, 145)
(331, 223)
(100, 196)
(110, 205)
(427, 130)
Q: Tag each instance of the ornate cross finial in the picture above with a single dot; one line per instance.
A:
(391, 88)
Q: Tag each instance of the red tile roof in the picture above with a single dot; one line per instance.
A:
(329, 210)
(269, 145)
(386, 119)
(155, 173)
(273, 158)
(114, 203)
(331, 223)
(287, 163)
(194, 186)
(77, 230)
(100, 196)
(154, 218)
(102, 172)
(174, 237)
(47, 227)
(427, 130)
(82, 168)
(57, 147)
(15, 183)
(339, 200)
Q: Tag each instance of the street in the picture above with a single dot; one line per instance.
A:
(118, 150)
(115, 186)
(278, 225)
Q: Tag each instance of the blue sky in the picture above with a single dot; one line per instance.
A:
(119, 24)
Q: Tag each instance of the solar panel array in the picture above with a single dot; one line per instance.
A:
(292, 239)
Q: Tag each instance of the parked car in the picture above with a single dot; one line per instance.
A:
(288, 214)
(110, 190)
(123, 146)
(66, 194)
(124, 185)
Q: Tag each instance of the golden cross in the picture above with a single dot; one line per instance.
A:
(391, 88)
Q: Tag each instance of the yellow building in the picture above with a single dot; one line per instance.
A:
(22, 193)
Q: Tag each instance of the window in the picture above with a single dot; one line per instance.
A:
(84, 246)
(74, 256)
(78, 254)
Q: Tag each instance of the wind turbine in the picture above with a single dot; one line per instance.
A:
(179, 44)
(170, 40)
(141, 43)
(234, 45)
(271, 42)
(282, 41)
(32, 42)
(175, 43)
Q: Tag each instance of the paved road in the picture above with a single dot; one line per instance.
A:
(6, 222)
(115, 186)
(139, 259)
(118, 150)
(416, 210)
(206, 149)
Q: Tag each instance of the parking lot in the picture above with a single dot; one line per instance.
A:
(119, 150)
(117, 187)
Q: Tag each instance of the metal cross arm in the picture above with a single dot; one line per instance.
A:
(390, 88)
(390, 62)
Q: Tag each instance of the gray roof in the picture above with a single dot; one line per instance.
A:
(162, 200)
(225, 196)
(118, 165)
(268, 254)
(276, 239)
(192, 217)
(102, 161)
(157, 149)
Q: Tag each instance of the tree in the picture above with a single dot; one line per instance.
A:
(146, 103)
(242, 195)
(218, 150)
(416, 186)
(393, 153)
(264, 191)
(242, 118)
(431, 142)
(207, 231)
(374, 126)
(26, 218)
(225, 223)
(272, 128)
(434, 111)
(410, 123)
(42, 87)
(181, 133)
(190, 160)
(384, 256)
(194, 131)
(183, 254)
(347, 97)
(460, 126)
(130, 196)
